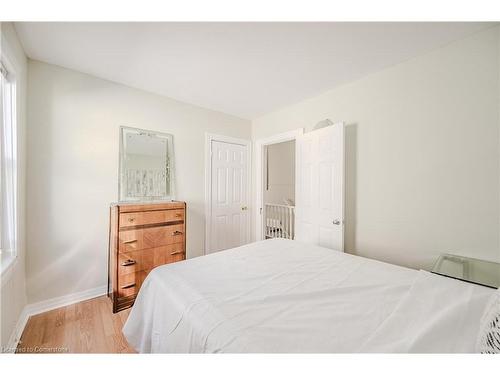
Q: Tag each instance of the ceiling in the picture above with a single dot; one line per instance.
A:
(243, 69)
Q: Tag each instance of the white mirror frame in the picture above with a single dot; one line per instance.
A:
(121, 179)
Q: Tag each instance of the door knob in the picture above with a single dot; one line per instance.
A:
(336, 222)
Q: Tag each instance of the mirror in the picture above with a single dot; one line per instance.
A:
(146, 165)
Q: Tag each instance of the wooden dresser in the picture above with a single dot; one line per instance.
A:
(142, 237)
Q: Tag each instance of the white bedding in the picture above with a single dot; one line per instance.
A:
(283, 296)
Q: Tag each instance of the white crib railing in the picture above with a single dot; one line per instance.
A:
(279, 221)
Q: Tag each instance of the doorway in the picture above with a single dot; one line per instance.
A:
(279, 190)
(275, 186)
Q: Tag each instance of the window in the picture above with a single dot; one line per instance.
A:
(8, 175)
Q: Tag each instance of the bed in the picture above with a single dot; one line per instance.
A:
(283, 296)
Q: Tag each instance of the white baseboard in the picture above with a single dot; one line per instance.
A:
(17, 332)
(69, 299)
(50, 304)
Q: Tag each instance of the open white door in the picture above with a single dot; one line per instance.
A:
(319, 212)
(228, 215)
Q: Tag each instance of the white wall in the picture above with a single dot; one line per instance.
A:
(12, 290)
(73, 170)
(281, 165)
(422, 143)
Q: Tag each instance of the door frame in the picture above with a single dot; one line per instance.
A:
(209, 138)
(259, 173)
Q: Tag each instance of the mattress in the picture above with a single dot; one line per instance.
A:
(285, 296)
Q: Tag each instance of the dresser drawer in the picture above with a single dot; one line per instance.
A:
(161, 236)
(130, 240)
(131, 219)
(134, 261)
(169, 254)
(173, 215)
(130, 284)
(147, 238)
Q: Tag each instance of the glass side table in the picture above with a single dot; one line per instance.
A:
(472, 270)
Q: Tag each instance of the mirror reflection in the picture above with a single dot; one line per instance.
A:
(146, 165)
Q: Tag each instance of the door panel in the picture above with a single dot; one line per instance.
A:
(325, 186)
(320, 187)
(237, 185)
(229, 216)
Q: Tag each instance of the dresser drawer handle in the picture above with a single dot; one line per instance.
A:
(178, 215)
(128, 286)
(128, 262)
(176, 233)
(177, 252)
(129, 241)
(131, 219)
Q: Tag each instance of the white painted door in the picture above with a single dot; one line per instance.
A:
(319, 208)
(229, 217)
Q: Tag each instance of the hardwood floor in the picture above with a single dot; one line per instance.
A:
(85, 327)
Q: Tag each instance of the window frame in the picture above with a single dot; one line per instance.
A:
(9, 161)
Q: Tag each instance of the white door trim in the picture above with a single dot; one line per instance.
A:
(209, 137)
(259, 172)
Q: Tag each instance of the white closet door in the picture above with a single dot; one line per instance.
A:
(229, 201)
(320, 187)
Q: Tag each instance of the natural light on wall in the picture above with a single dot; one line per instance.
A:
(8, 175)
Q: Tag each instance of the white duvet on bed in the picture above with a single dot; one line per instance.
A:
(284, 296)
